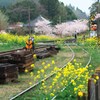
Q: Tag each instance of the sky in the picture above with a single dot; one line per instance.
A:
(81, 4)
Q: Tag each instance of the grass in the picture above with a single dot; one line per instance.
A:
(6, 47)
(38, 94)
(95, 56)
(9, 90)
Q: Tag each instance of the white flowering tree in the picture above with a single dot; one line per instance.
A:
(97, 16)
(43, 28)
(63, 29)
(70, 28)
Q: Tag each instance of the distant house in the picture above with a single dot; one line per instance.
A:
(34, 22)
(14, 26)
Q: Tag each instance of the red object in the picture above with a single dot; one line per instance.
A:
(93, 27)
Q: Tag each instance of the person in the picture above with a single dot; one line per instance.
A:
(29, 44)
(32, 39)
(75, 35)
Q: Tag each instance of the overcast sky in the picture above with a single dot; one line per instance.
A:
(81, 4)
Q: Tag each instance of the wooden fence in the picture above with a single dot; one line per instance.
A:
(93, 87)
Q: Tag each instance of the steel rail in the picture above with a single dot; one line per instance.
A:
(76, 76)
(50, 75)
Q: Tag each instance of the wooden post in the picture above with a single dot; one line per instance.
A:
(91, 89)
(99, 87)
(98, 83)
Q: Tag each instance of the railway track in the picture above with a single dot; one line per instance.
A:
(47, 78)
(88, 62)
(51, 75)
(41, 44)
(37, 51)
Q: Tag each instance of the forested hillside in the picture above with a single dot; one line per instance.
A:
(57, 12)
(79, 13)
(8, 2)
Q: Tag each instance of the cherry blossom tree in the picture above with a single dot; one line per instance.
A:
(43, 28)
(66, 29)
(69, 28)
(97, 16)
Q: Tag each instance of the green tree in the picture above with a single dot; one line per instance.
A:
(20, 11)
(78, 13)
(70, 14)
(3, 21)
(52, 9)
(62, 13)
(93, 8)
(57, 12)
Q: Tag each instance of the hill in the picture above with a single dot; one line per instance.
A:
(79, 13)
(7, 3)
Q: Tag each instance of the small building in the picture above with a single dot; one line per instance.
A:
(34, 23)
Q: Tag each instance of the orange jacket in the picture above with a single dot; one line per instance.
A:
(29, 44)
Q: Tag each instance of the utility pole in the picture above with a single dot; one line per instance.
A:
(29, 20)
(28, 10)
(98, 20)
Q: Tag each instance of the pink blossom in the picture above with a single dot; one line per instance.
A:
(97, 16)
(69, 28)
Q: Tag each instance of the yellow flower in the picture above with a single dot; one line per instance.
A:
(43, 63)
(42, 83)
(46, 92)
(52, 94)
(38, 72)
(81, 86)
(80, 93)
(97, 77)
(75, 89)
(74, 60)
(32, 65)
(45, 67)
(86, 67)
(94, 81)
(38, 76)
(48, 65)
(31, 73)
(45, 76)
(26, 70)
(53, 62)
(72, 81)
(92, 71)
(62, 84)
(42, 70)
(50, 87)
(34, 56)
(30, 83)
